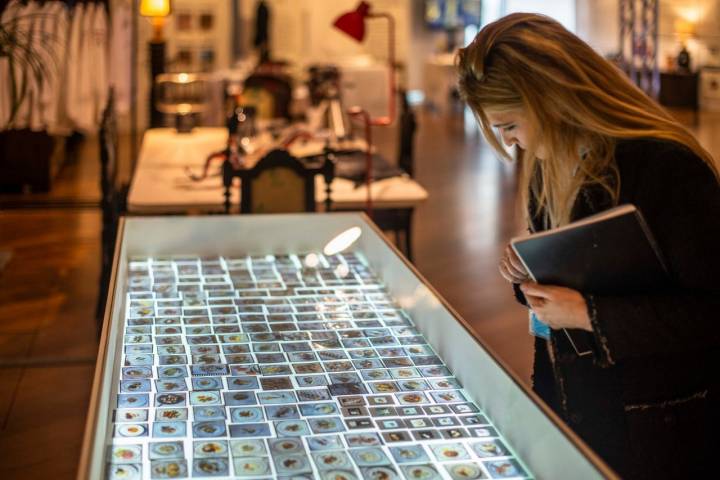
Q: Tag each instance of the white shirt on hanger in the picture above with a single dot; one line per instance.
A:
(24, 74)
(99, 65)
(72, 84)
(55, 95)
(121, 48)
(85, 107)
(9, 13)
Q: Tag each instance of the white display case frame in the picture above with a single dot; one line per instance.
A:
(540, 439)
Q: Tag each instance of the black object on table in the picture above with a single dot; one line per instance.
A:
(352, 167)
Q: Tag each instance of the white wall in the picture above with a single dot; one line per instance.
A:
(561, 10)
(597, 23)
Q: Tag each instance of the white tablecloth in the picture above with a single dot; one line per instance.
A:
(161, 183)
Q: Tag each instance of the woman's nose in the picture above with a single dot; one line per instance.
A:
(509, 140)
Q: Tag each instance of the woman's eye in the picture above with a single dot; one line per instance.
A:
(509, 128)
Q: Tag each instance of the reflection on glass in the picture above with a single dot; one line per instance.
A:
(311, 260)
(342, 241)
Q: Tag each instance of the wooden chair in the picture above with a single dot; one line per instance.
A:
(279, 183)
(269, 94)
(112, 201)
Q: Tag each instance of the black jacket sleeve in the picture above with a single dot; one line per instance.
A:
(679, 196)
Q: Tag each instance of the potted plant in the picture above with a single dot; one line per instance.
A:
(24, 55)
(26, 60)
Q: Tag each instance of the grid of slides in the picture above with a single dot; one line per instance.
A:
(287, 366)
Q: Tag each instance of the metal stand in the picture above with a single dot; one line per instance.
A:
(157, 67)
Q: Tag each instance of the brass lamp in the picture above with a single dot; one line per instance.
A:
(156, 10)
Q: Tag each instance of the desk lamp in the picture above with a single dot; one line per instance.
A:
(353, 24)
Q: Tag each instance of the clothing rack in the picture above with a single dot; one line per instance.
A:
(69, 3)
(47, 118)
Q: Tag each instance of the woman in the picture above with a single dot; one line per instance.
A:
(647, 398)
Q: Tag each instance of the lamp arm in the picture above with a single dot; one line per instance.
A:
(390, 118)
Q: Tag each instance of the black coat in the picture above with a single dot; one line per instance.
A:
(648, 399)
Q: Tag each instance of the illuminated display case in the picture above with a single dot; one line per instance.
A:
(254, 347)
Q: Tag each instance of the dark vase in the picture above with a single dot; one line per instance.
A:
(683, 60)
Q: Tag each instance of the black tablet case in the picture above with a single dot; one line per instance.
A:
(611, 253)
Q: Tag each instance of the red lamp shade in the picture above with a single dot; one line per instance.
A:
(353, 23)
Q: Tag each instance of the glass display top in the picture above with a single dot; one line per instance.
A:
(287, 366)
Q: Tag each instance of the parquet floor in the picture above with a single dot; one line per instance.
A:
(48, 286)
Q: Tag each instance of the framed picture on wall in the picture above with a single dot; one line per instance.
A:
(185, 56)
(183, 21)
(206, 21)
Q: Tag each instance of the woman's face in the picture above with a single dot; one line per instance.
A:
(514, 128)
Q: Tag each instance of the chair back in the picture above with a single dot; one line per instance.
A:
(112, 200)
(408, 127)
(280, 183)
(108, 138)
(269, 94)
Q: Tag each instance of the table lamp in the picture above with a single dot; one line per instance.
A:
(684, 29)
(156, 10)
(353, 24)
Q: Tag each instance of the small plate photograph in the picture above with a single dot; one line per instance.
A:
(318, 443)
(133, 415)
(171, 414)
(125, 454)
(169, 429)
(250, 430)
(208, 429)
(409, 454)
(209, 449)
(253, 467)
(446, 452)
(292, 428)
(315, 395)
(318, 409)
(248, 448)
(209, 413)
(168, 469)
(369, 456)
(281, 412)
(321, 425)
(246, 415)
(165, 450)
(242, 383)
(210, 467)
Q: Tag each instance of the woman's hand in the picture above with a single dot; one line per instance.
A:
(511, 268)
(559, 307)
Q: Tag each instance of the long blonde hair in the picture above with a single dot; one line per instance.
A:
(574, 98)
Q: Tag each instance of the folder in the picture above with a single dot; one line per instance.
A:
(610, 253)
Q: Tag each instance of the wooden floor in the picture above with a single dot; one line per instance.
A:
(48, 286)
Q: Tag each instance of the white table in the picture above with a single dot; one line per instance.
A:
(161, 185)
